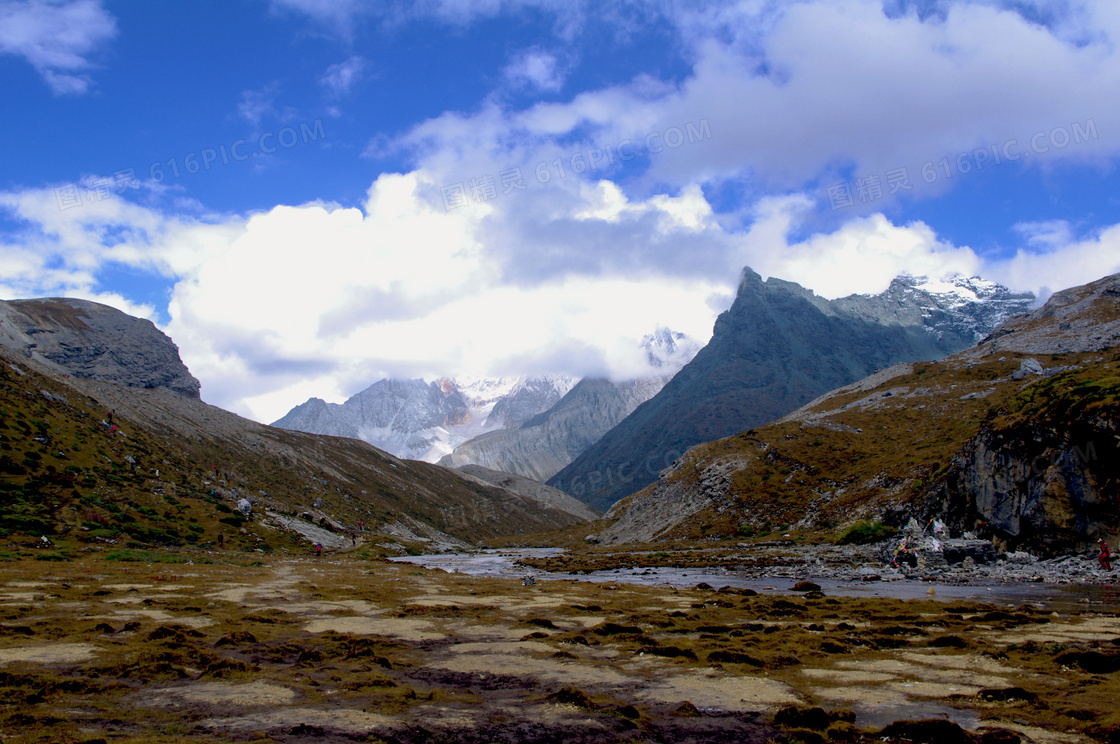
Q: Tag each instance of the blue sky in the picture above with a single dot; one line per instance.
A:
(308, 195)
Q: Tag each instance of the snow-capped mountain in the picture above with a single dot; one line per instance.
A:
(544, 444)
(970, 304)
(667, 351)
(955, 313)
(425, 420)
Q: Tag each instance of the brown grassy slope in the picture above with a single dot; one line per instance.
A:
(61, 469)
(868, 452)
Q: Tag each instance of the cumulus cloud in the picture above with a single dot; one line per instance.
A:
(57, 38)
(402, 288)
(828, 92)
(322, 300)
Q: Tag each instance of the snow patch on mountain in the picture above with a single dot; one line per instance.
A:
(425, 419)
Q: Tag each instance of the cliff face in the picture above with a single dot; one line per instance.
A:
(1029, 490)
(1042, 473)
(93, 341)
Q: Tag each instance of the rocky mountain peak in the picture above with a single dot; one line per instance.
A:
(668, 350)
(776, 348)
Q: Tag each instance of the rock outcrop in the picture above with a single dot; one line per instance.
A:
(94, 341)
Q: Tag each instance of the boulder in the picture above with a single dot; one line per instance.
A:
(980, 551)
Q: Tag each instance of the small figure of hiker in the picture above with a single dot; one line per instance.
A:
(110, 416)
(1105, 556)
(319, 549)
(221, 539)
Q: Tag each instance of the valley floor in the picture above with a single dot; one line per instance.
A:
(341, 649)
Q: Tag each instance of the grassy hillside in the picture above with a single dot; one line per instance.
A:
(173, 471)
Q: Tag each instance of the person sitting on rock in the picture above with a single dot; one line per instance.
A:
(1105, 556)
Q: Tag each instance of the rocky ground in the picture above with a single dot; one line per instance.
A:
(197, 647)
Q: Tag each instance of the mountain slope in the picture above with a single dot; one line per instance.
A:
(548, 442)
(990, 440)
(90, 340)
(172, 469)
(533, 489)
(777, 348)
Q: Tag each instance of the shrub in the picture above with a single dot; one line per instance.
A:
(144, 556)
(864, 533)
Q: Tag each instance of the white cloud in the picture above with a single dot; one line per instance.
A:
(257, 104)
(341, 77)
(1060, 261)
(402, 288)
(861, 257)
(535, 68)
(322, 300)
(57, 38)
(340, 16)
(821, 92)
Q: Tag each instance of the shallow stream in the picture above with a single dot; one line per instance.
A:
(1055, 597)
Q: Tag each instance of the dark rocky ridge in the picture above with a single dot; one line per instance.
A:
(94, 341)
(777, 348)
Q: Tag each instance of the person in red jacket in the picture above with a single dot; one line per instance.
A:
(1105, 557)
